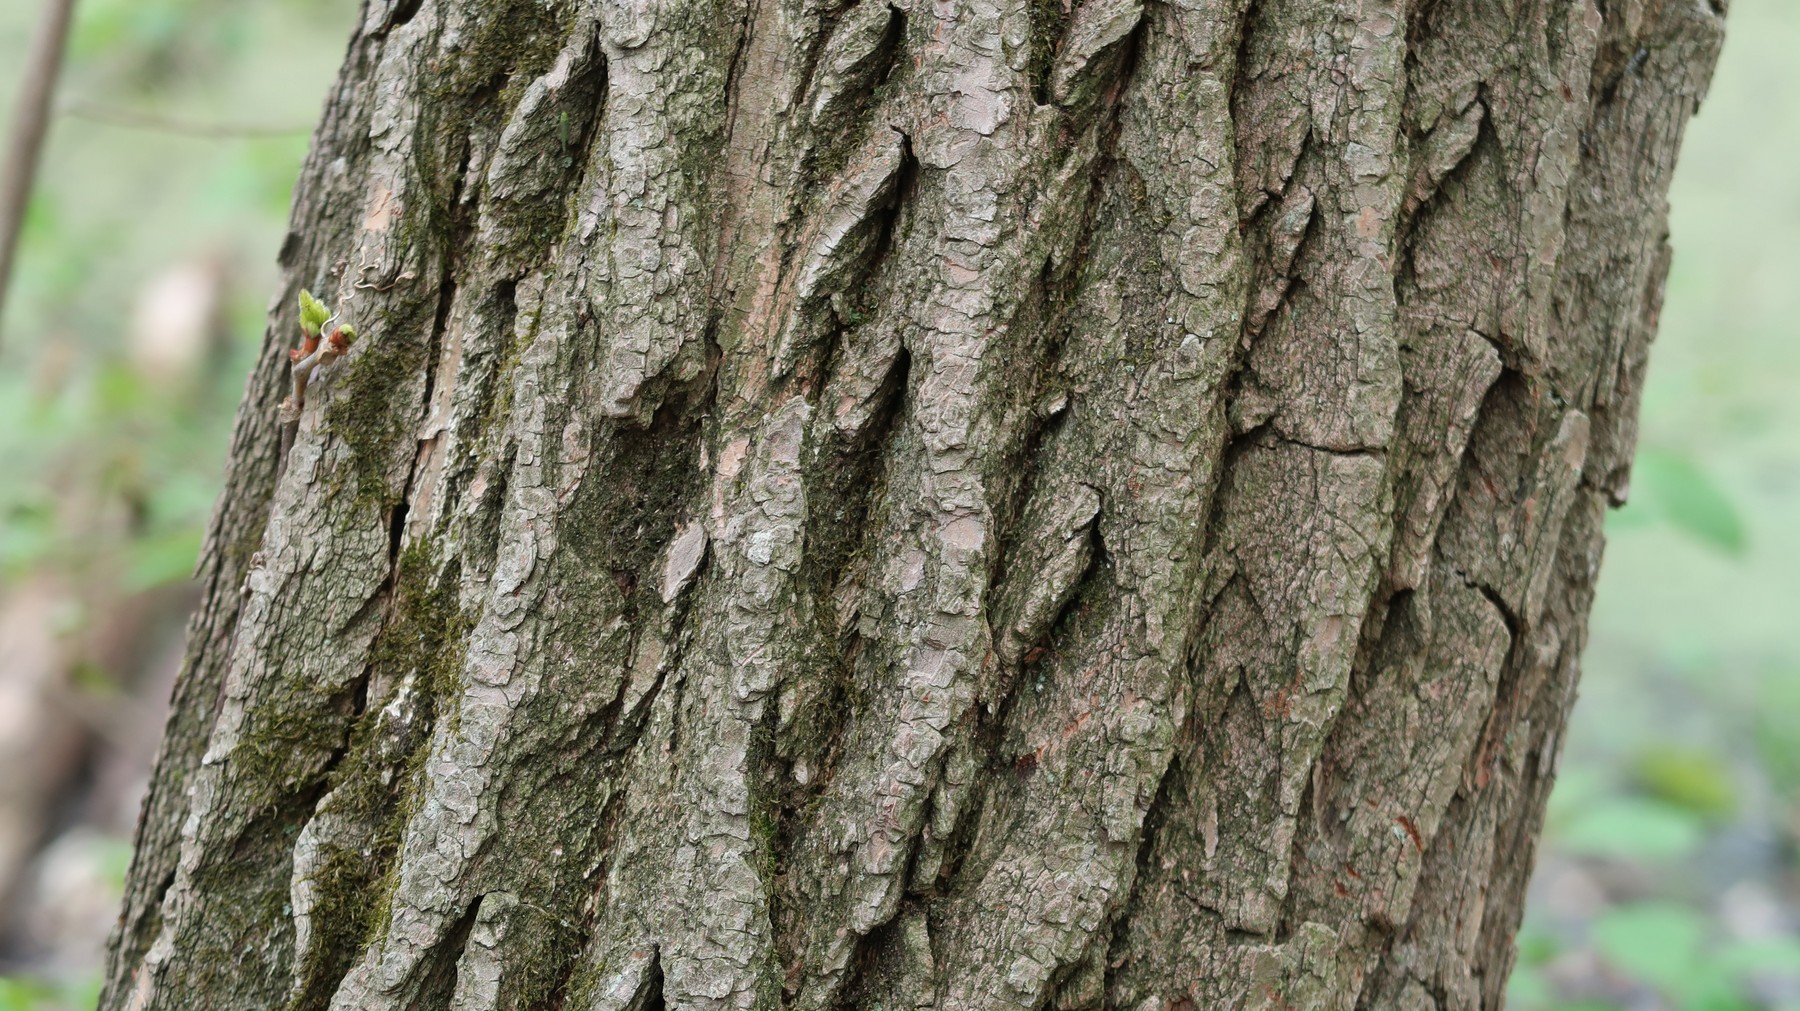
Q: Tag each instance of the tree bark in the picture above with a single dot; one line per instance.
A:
(955, 505)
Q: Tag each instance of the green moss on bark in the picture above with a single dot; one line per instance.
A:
(418, 658)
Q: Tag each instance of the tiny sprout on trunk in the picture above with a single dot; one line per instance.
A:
(318, 348)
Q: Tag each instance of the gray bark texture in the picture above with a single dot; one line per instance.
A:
(958, 504)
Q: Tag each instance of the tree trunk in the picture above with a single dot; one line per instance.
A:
(949, 504)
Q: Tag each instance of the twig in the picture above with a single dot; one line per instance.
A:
(30, 119)
(138, 119)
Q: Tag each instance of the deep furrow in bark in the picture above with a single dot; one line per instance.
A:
(942, 548)
(1056, 852)
(840, 87)
(850, 477)
(1451, 863)
(945, 803)
(1117, 951)
(733, 703)
(1048, 308)
(422, 682)
(398, 13)
(545, 328)
(1275, 659)
(501, 186)
(1385, 830)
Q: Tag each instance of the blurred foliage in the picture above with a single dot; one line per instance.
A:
(37, 995)
(1661, 943)
(146, 260)
(1668, 872)
(115, 465)
(1636, 828)
(1776, 729)
(133, 461)
(1662, 954)
(1673, 488)
(1688, 778)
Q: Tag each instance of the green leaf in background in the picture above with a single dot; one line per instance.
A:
(1536, 946)
(18, 995)
(1718, 1000)
(121, 392)
(1686, 496)
(167, 557)
(1764, 959)
(22, 994)
(1776, 729)
(1632, 828)
(1578, 785)
(82, 994)
(1633, 515)
(28, 534)
(1768, 956)
(1688, 778)
(1527, 988)
(1775, 956)
(1657, 942)
(1664, 944)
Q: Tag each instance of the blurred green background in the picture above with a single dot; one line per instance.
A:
(143, 276)
(1669, 877)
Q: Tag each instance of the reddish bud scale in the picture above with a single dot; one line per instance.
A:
(308, 344)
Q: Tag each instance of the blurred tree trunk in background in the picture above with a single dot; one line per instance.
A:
(916, 505)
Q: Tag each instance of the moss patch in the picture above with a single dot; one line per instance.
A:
(419, 654)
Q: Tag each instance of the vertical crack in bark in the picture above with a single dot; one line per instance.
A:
(399, 14)
(441, 976)
(1284, 657)
(841, 84)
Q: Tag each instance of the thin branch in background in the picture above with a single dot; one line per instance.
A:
(31, 117)
(135, 119)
